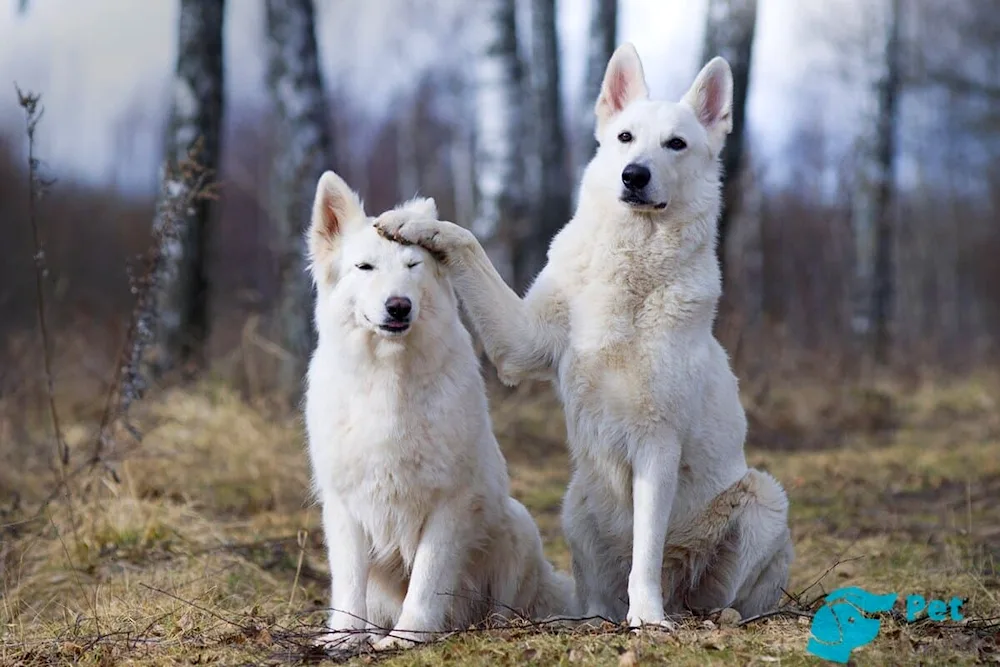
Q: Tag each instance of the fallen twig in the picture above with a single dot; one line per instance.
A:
(783, 611)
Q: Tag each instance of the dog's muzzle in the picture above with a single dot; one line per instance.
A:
(398, 309)
(635, 178)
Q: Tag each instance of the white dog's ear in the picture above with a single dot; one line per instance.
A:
(336, 210)
(624, 82)
(420, 207)
(711, 98)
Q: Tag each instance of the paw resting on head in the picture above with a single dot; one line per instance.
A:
(437, 237)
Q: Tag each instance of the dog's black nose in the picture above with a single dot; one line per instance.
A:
(398, 307)
(635, 176)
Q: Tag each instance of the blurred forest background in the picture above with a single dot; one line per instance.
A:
(859, 239)
(151, 245)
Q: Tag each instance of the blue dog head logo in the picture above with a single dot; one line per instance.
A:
(840, 626)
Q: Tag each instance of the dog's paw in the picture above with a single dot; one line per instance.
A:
(343, 640)
(397, 640)
(664, 625)
(437, 237)
(650, 616)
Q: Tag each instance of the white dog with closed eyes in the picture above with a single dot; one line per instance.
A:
(662, 513)
(421, 532)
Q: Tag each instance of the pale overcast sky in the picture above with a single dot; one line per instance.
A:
(97, 62)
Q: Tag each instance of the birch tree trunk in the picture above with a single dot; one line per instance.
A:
(873, 230)
(501, 206)
(462, 163)
(304, 151)
(407, 152)
(602, 36)
(729, 32)
(552, 197)
(179, 289)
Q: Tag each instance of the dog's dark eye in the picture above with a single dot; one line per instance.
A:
(676, 144)
(364, 266)
(625, 137)
(412, 265)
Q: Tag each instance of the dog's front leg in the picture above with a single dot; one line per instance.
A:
(654, 484)
(347, 550)
(435, 575)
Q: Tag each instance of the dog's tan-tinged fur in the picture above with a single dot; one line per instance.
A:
(662, 512)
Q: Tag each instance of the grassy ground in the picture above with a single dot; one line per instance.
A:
(208, 551)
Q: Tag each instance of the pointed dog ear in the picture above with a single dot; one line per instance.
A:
(711, 98)
(336, 210)
(624, 82)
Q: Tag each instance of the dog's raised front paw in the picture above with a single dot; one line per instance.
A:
(435, 236)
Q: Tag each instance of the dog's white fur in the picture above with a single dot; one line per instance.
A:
(421, 532)
(662, 513)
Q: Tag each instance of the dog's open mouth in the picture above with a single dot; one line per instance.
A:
(632, 199)
(395, 326)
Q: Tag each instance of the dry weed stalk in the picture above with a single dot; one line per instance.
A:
(182, 187)
(37, 186)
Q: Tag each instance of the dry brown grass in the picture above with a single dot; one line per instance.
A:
(209, 551)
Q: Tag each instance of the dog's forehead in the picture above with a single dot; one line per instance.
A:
(368, 245)
(657, 119)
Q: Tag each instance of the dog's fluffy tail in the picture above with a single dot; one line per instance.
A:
(690, 542)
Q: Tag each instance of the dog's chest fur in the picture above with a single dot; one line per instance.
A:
(641, 301)
(640, 352)
(389, 468)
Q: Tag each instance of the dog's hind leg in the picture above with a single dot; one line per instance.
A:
(748, 567)
(600, 563)
(524, 579)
